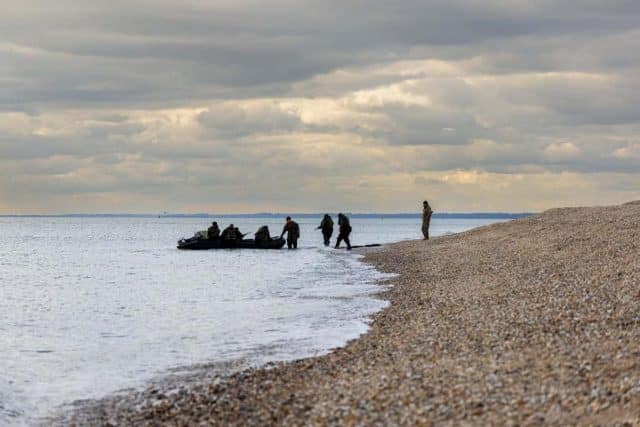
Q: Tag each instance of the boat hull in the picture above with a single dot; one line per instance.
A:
(206, 244)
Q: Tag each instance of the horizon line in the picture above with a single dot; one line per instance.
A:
(299, 214)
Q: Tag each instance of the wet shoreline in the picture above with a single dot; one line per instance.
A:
(181, 381)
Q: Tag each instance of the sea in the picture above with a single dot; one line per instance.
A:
(90, 305)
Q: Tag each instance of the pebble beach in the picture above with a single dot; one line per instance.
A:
(531, 322)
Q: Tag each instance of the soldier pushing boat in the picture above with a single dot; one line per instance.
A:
(293, 233)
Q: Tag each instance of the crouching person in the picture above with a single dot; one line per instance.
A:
(262, 237)
(214, 231)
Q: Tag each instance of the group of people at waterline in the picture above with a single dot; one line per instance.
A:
(292, 230)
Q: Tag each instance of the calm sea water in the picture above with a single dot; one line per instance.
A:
(89, 306)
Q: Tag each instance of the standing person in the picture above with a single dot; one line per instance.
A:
(293, 233)
(213, 232)
(426, 219)
(344, 229)
(326, 225)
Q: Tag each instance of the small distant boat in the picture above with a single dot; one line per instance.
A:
(198, 243)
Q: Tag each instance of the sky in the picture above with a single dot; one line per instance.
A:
(224, 106)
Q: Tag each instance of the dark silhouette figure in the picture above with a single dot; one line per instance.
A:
(239, 235)
(213, 232)
(344, 229)
(262, 236)
(326, 225)
(293, 233)
(229, 234)
(426, 219)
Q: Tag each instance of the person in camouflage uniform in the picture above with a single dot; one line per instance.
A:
(326, 225)
(426, 219)
(213, 232)
(293, 233)
(239, 234)
(229, 234)
(344, 228)
(262, 236)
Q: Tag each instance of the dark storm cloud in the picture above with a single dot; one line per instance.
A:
(166, 51)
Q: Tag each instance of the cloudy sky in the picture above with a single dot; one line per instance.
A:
(300, 106)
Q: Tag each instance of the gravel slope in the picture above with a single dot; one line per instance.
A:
(535, 321)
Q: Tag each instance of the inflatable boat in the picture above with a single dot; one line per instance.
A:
(200, 243)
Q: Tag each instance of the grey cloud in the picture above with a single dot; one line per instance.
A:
(191, 50)
(412, 125)
(228, 120)
(92, 140)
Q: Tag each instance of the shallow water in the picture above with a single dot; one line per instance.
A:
(89, 306)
